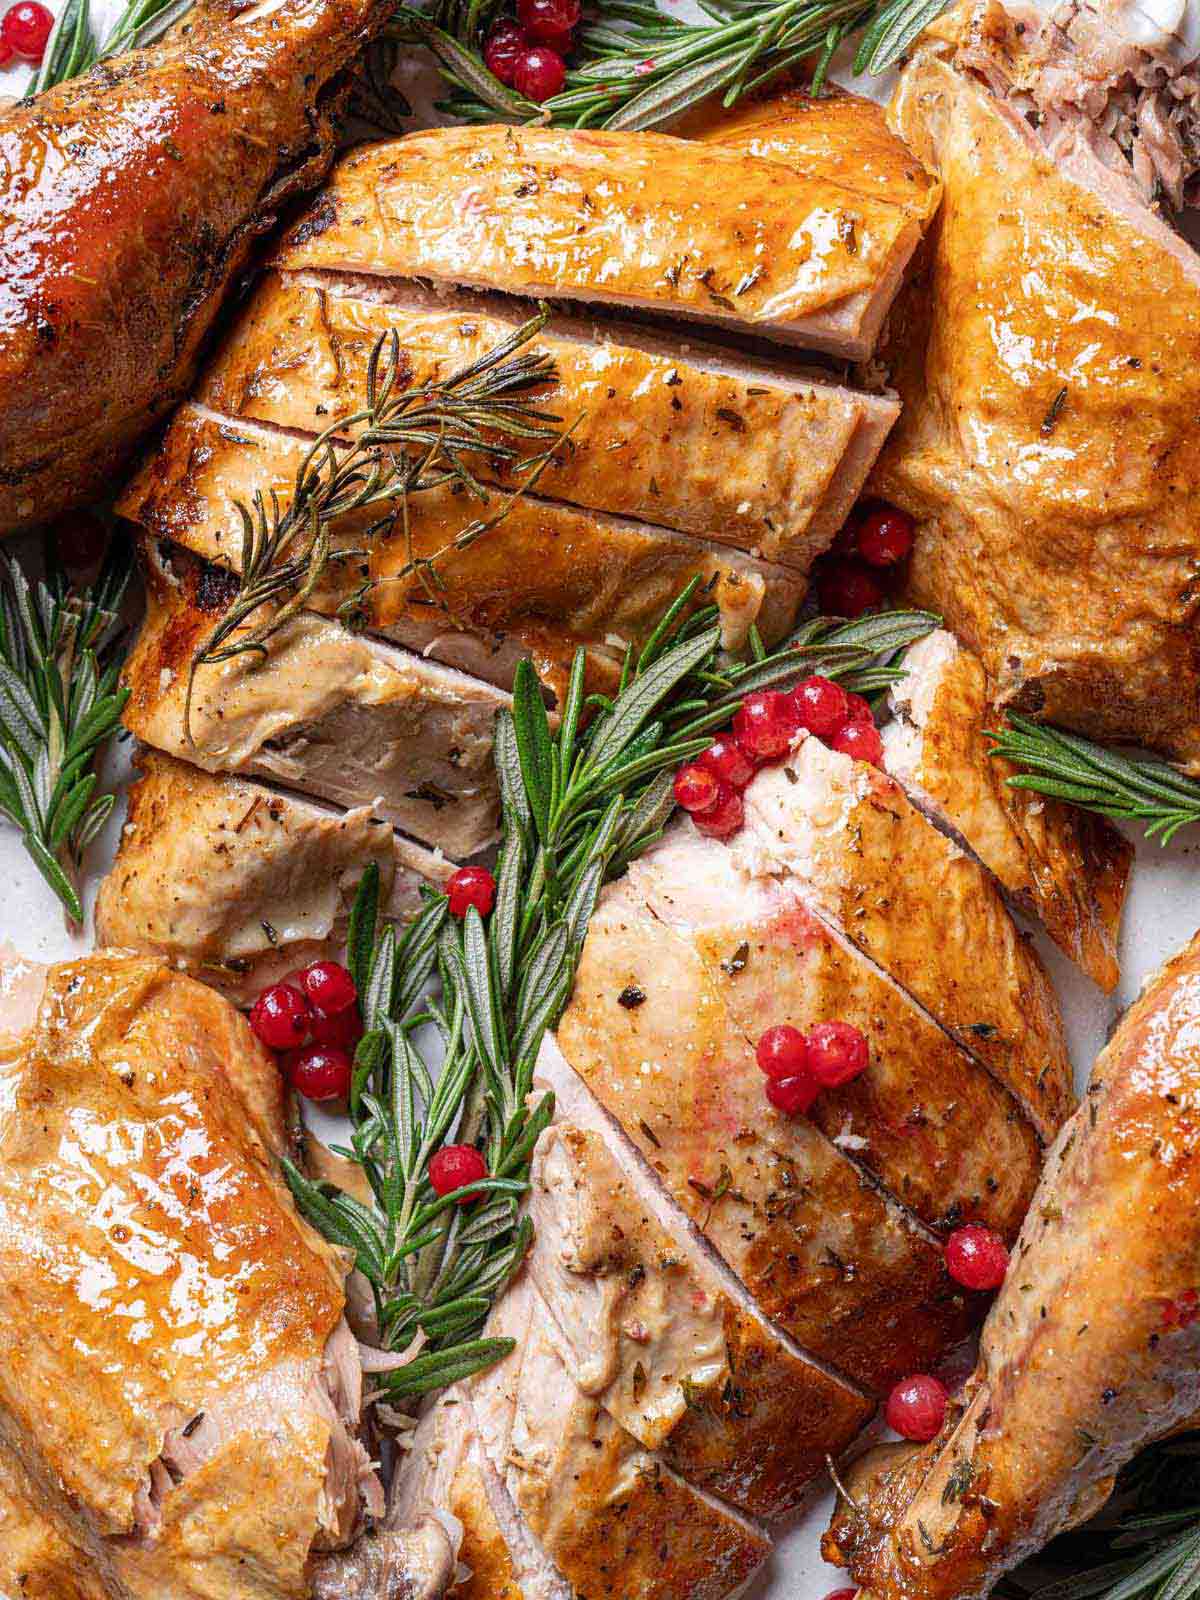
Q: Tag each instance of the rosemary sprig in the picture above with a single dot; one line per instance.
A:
(73, 47)
(638, 67)
(1069, 767)
(579, 804)
(59, 703)
(409, 440)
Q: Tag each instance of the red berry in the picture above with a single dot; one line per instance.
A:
(539, 73)
(860, 740)
(7, 53)
(320, 1072)
(726, 816)
(858, 709)
(25, 28)
(503, 48)
(976, 1257)
(821, 705)
(280, 1017)
(916, 1408)
(548, 20)
(765, 724)
(471, 886)
(726, 758)
(792, 1096)
(696, 789)
(80, 539)
(782, 1052)
(343, 1029)
(837, 1052)
(885, 536)
(847, 590)
(328, 986)
(841, 1594)
(453, 1167)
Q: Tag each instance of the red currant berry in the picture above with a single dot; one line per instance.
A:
(858, 709)
(471, 886)
(885, 536)
(280, 1017)
(696, 789)
(837, 1052)
(320, 1072)
(860, 740)
(847, 590)
(25, 28)
(821, 705)
(841, 1594)
(328, 986)
(539, 73)
(976, 1257)
(792, 1096)
(782, 1052)
(726, 758)
(344, 1029)
(916, 1408)
(765, 724)
(7, 53)
(548, 20)
(80, 539)
(725, 818)
(453, 1167)
(502, 49)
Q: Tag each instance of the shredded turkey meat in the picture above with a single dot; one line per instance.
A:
(1126, 72)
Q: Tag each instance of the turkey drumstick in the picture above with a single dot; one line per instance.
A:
(1093, 1347)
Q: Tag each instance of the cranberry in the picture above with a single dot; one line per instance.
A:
(471, 886)
(328, 986)
(976, 1257)
(821, 705)
(728, 760)
(548, 21)
(80, 539)
(503, 48)
(453, 1167)
(792, 1096)
(916, 1408)
(539, 73)
(860, 740)
(697, 789)
(837, 1052)
(343, 1029)
(280, 1017)
(320, 1072)
(858, 709)
(25, 28)
(766, 723)
(725, 818)
(782, 1052)
(847, 590)
(885, 536)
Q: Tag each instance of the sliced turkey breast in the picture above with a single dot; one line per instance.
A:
(653, 1329)
(867, 863)
(324, 711)
(1058, 863)
(754, 454)
(241, 884)
(546, 579)
(681, 228)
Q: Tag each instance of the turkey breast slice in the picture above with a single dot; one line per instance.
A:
(324, 711)
(545, 580)
(677, 227)
(751, 453)
(1056, 862)
(240, 883)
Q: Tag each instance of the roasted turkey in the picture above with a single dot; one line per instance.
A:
(1092, 1349)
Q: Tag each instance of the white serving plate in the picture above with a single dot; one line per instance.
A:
(1162, 913)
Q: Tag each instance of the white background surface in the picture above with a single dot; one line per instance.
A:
(1162, 912)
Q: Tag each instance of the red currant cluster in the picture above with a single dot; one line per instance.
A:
(24, 32)
(764, 726)
(312, 1022)
(799, 1065)
(528, 52)
(871, 548)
